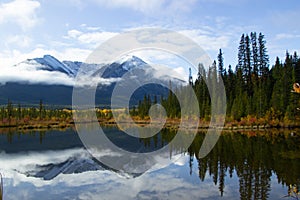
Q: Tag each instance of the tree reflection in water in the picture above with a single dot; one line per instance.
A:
(254, 156)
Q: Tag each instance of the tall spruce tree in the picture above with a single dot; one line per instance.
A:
(287, 80)
(247, 68)
(263, 58)
(212, 85)
(221, 68)
(238, 106)
(230, 88)
(277, 101)
(254, 56)
(202, 91)
(241, 52)
(265, 85)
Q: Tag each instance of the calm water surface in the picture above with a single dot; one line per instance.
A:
(55, 165)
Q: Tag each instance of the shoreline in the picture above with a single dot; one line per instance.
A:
(170, 123)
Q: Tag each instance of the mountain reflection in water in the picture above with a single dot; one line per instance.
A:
(242, 165)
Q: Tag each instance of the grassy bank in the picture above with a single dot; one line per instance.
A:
(249, 123)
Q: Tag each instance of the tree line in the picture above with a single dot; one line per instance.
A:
(255, 92)
(16, 114)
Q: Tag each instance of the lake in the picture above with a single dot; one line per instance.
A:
(54, 164)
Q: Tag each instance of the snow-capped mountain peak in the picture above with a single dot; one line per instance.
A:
(70, 68)
(123, 65)
(50, 67)
(28, 80)
(128, 62)
(52, 64)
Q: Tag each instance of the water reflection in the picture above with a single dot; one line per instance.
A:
(254, 157)
(246, 165)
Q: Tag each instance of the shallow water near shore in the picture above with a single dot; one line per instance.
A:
(54, 164)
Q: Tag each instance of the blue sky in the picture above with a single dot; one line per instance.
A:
(72, 29)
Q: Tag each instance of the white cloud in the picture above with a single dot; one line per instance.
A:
(165, 63)
(283, 36)
(286, 19)
(184, 6)
(165, 73)
(91, 39)
(13, 68)
(95, 37)
(18, 40)
(31, 73)
(92, 28)
(103, 184)
(228, 2)
(207, 41)
(23, 74)
(82, 42)
(73, 54)
(74, 33)
(21, 12)
(12, 57)
(138, 5)
(156, 7)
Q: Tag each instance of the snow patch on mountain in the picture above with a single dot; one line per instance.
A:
(129, 62)
(52, 64)
(32, 72)
(49, 70)
(73, 66)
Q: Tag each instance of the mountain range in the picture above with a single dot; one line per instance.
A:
(52, 81)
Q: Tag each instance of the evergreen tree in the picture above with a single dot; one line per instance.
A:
(212, 86)
(241, 52)
(9, 111)
(252, 89)
(287, 80)
(293, 102)
(248, 59)
(19, 112)
(221, 68)
(2, 113)
(263, 58)
(201, 91)
(247, 68)
(230, 88)
(238, 107)
(254, 58)
(277, 101)
(296, 64)
(155, 100)
(265, 84)
(41, 109)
